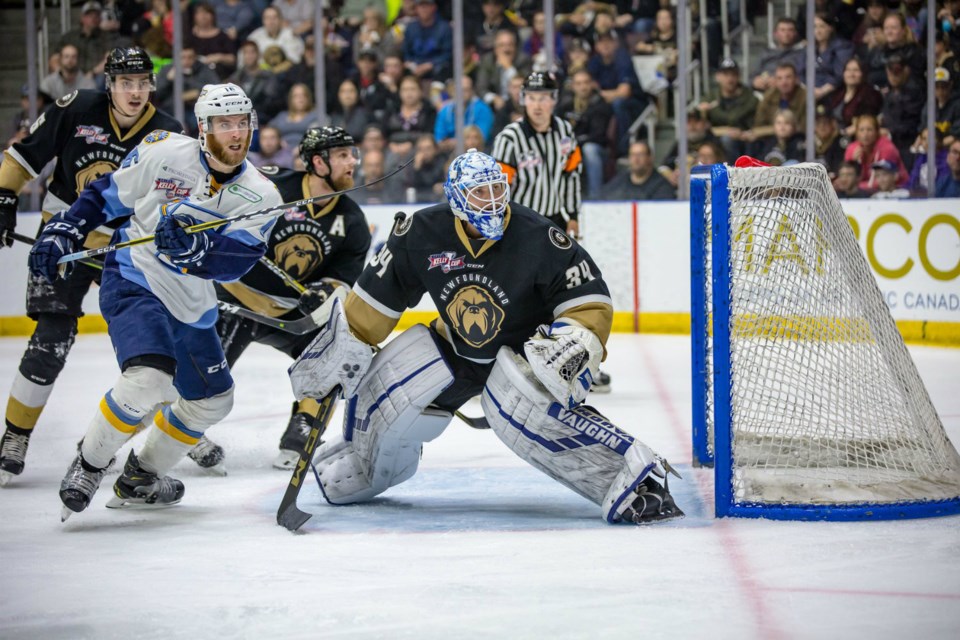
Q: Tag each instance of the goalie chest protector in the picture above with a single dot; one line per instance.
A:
(489, 293)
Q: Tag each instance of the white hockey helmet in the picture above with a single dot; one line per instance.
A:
(478, 190)
(222, 100)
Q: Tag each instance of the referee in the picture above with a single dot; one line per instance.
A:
(540, 156)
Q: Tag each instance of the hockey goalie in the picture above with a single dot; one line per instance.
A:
(524, 316)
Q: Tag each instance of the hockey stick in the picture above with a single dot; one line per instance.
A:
(476, 423)
(298, 327)
(19, 237)
(213, 224)
(289, 515)
(288, 279)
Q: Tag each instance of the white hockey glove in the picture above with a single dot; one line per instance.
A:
(564, 358)
(335, 357)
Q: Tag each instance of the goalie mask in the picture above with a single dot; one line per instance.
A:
(225, 100)
(478, 191)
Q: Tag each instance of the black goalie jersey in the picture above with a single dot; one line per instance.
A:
(81, 132)
(327, 243)
(488, 293)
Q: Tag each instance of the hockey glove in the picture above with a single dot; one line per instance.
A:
(183, 249)
(58, 238)
(314, 297)
(8, 216)
(565, 359)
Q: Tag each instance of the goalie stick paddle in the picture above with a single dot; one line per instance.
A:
(213, 224)
(288, 515)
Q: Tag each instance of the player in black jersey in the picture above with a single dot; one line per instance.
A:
(90, 133)
(322, 246)
(506, 282)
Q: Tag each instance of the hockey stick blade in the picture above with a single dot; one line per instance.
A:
(298, 327)
(289, 516)
(476, 423)
(213, 224)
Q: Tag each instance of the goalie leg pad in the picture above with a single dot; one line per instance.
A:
(579, 447)
(334, 357)
(387, 421)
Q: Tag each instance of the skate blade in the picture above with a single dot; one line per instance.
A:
(5, 477)
(286, 460)
(136, 504)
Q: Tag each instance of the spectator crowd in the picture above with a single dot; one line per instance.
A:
(389, 72)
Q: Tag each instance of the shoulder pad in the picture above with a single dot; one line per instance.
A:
(403, 226)
(558, 238)
(158, 135)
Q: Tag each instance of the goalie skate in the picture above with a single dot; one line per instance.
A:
(13, 452)
(139, 488)
(652, 504)
(209, 456)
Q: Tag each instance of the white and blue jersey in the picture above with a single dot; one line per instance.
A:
(168, 173)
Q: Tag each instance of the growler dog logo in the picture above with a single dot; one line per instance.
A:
(91, 172)
(298, 255)
(475, 316)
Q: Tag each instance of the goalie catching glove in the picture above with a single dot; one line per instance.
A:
(182, 248)
(565, 357)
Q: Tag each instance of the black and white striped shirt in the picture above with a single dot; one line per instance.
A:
(544, 168)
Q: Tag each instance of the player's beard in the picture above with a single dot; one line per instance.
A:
(227, 156)
(343, 183)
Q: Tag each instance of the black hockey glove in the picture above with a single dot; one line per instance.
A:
(184, 249)
(315, 295)
(8, 216)
(57, 239)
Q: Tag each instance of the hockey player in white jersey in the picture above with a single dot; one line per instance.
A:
(158, 297)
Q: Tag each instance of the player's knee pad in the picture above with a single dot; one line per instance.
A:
(48, 347)
(198, 415)
(387, 421)
(139, 391)
(579, 447)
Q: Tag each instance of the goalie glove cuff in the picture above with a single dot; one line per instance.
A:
(565, 359)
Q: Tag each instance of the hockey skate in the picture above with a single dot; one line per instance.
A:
(652, 504)
(13, 452)
(137, 487)
(293, 440)
(602, 383)
(208, 455)
(78, 486)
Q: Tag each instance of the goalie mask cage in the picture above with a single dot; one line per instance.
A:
(805, 398)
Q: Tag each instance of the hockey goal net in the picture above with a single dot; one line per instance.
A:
(806, 400)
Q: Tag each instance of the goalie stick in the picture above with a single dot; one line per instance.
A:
(213, 224)
(289, 515)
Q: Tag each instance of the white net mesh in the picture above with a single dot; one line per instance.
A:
(826, 404)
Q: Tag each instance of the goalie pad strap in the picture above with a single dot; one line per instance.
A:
(387, 421)
(579, 447)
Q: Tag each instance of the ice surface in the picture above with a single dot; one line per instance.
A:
(476, 545)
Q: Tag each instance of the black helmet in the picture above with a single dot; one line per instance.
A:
(319, 140)
(128, 60)
(541, 81)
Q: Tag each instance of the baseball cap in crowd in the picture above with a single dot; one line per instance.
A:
(91, 6)
(369, 53)
(728, 64)
(941, 75)
(884, 165)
